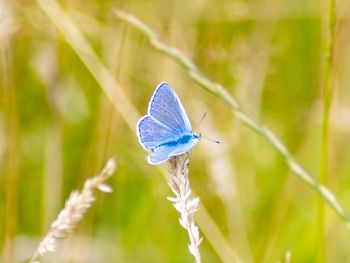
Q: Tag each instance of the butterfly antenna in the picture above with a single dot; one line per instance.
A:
(199, 124)
(210, 139)
(202, 136)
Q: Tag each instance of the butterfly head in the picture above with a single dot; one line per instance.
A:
(197, 135)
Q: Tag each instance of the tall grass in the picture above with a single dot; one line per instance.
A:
(74, 78)
(327, 90)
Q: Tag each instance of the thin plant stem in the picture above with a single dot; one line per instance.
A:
(74, 210)
(327, 87)
(11, 174)
(218, 90)
(183, 201)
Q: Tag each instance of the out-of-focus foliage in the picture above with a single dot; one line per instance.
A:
(57, 128)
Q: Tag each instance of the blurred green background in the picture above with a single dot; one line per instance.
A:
(57, 128)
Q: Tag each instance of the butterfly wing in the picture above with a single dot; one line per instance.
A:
(161, 154)
(152, 133)
(166, 107)
(164, 152)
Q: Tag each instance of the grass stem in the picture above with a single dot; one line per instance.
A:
(327, 88)
(183, 201)
(74, 210)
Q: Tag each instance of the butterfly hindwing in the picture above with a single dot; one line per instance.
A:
(167, 108)
(172, 148)
(161, 154)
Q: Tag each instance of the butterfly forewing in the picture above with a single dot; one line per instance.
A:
(152, 132)
(167, 108)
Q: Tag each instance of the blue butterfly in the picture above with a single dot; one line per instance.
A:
(166, 130)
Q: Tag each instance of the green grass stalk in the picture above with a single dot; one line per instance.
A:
(327, 88)
(11, 174)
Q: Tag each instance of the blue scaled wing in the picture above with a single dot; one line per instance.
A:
(161, 154)
(166, 107)
(164, 152)
(152, 133)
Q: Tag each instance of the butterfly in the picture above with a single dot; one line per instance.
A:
(165, 131)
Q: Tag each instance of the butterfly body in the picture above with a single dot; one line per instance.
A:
(165, 131)
(179, 142)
